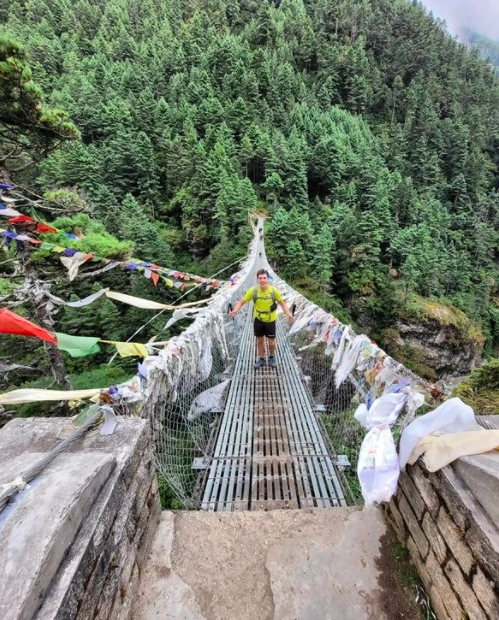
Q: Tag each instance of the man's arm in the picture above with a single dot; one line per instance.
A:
(286, 311)
(237, 307)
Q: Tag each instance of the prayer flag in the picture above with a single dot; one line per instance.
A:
(21, 219)
(12, 323)
(77, 346)
(45, 228)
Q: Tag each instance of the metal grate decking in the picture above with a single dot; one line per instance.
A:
(270, 452)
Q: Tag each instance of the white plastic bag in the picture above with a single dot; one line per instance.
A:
(378, 465)
(384, 410)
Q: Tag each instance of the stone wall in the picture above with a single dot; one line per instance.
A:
(75, 542)
(452, 541)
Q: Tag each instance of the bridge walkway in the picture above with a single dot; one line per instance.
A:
(270, 452)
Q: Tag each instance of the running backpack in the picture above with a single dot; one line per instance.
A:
(273, 307)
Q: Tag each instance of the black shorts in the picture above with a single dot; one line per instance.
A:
(264, 329)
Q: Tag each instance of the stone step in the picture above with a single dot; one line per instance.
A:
(277, 565)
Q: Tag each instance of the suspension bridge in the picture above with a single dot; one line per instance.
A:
(277, 438)
(270, 452)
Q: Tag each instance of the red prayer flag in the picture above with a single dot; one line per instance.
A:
(21, 219)
(12, 323)
(45, 228)
(155, 278)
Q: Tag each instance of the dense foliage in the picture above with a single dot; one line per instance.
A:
(488, 48)
(368, 134)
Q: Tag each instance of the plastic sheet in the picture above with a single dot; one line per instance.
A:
(444, 449)
(349, 359)
(208, 401)
(453, 416)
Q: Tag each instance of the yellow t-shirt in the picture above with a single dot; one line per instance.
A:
(263, 303)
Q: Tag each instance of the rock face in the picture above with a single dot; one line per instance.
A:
(433, 339)
(441, 347)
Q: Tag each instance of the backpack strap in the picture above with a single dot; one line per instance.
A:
(255, 293)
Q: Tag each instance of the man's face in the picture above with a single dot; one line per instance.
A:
(263, 280)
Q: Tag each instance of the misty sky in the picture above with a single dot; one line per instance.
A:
(479, 15)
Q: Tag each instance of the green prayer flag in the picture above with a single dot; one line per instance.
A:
(77, 346)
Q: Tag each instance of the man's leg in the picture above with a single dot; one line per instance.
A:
(271, 342)
(259, 330)
(271, 334)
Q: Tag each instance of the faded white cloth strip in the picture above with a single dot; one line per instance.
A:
(87, 300)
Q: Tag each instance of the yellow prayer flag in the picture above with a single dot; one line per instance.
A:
(129, 349)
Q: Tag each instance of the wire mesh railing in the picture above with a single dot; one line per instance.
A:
(341, 370)
(188, 382)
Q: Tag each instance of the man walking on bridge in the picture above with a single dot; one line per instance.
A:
(265, 299)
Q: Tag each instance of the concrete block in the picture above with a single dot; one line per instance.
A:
(153, 520)
(146, 541)
(414, 528)
(95, 583)
(486, 593)
(43, 527)
(139, 491)
(481, 475)
(122, 608)
(116, 556)
(67, 595)
(68, 589)
(397, 521)
(125, 508)
(468, 599)
(436, 541)
(21, 435)
(128, 566)
(412, 494)
(425, 489)
(15, 466)
(418, 563)
(454, 537)
(120, 553)
(104, 600)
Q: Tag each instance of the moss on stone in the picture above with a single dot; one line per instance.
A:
(481, 389)
(411, 357)
(432, 310)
